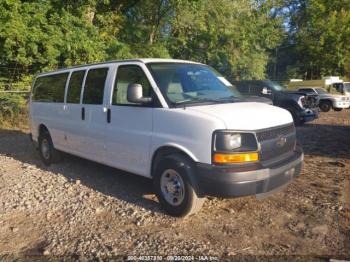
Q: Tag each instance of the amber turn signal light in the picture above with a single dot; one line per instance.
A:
(235, 158)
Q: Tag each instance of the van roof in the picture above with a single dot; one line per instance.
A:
(142, 60)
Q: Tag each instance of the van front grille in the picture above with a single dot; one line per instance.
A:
(272, 133)
(276, 142)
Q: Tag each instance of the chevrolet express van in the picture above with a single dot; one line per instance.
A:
(177, 122)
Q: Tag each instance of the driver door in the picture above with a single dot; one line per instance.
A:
(129, 130)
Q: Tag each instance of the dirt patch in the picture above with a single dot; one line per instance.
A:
(81, 209)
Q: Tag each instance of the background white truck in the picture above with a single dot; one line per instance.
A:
(333, 92)
(327, 100)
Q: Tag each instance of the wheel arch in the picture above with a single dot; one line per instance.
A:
(327, 100)
(42, 128)
(166, 150)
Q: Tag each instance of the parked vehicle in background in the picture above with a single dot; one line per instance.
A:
(332, 84)
(327, 100)
(343, 88)
(303, 107)
(258, 99)
(177, 122)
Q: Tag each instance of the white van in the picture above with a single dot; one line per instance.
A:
(177, 122)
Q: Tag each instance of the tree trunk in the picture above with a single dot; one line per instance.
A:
(89, 15)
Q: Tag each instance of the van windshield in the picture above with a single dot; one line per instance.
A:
(182, 83)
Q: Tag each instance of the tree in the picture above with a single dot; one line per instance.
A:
(232, 36)
(320, 35)
(35, 36)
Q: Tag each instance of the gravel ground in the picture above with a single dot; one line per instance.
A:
(78, 209)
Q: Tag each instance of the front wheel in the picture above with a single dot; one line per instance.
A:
(325, 106)
(175, 186)
(337, 109)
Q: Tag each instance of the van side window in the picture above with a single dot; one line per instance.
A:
(74, 87)
(94, 86)
(50, 88)
(129, 74)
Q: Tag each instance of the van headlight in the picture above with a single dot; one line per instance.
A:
(234, 147)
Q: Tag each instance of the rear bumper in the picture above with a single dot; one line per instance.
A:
(232, 182)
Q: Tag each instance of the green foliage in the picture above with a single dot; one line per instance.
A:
(319, 37)
(38, 36)
(231, 35)
(13, 110)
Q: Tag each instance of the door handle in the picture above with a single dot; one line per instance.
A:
(108, 115)
(83, 113)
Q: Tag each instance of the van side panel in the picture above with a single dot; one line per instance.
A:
(52, 116)
(47, 105)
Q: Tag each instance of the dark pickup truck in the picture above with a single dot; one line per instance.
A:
(302, 106)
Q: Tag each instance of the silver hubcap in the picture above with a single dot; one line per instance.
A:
(45, 149)
(172, 187)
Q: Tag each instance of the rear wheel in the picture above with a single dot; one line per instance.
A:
(325, 106)
(337, 109)
(48, 153)
(175, 187)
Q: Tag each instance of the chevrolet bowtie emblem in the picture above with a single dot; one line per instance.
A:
(281, 141)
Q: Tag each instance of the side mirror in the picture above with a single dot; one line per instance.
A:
(135, 94)
(266, 91)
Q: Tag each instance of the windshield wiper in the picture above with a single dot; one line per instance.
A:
(227, 99)
(196, 100)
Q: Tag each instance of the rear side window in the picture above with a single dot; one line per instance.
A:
(50, 88)
(94, 86)
(74, 87)
(126, 75)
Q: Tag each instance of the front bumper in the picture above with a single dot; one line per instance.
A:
(309, 114)
(229, 181)
(341, 104)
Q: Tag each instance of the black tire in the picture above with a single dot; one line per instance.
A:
(47, 151)
(337, 109)
(325, 106)
(184, 168)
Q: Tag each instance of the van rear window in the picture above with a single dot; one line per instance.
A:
(50, 88)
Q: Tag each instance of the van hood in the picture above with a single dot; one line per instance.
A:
(246, 115)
